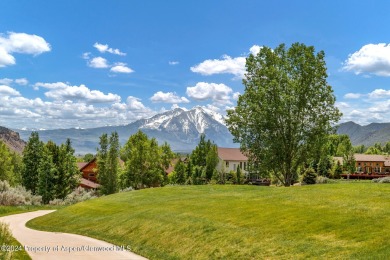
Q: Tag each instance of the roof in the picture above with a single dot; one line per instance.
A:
(368, 158)
(89, 184)
(81, 165)
(231, 154)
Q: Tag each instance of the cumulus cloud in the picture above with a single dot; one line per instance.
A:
(218, 93)
(5, 90)
(20, 112)
(8, 82)
(226, 65)
(63, 91)
(379, 93)
(104, 48)
(370, 59)
(98, 63)
(168, 97)
(20, 43)
(121, 68)
(352, 95)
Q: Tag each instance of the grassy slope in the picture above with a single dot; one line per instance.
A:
(349, 220)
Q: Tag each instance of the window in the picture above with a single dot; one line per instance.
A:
(244, 165)
(91, 175)
(227, 164)
(240, 165)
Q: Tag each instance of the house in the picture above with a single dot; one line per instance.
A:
(230, 159)
(368, 166)
(372, 163)
(89, 174)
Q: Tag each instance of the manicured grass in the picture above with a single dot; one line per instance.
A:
(333, 221)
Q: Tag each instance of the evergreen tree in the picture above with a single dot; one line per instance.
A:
(68, 172)
(46, 176)
(239, 177)
(181, 172)
(32, 156)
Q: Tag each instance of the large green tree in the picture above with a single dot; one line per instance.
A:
(108, 164)
(286, 111)
(6, 166)
(32, 156)
(145, 162)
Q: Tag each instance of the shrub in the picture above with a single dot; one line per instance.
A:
(309, 176)
(78, 195)
(5, 239)
(16, 196)
(382, 180)
(323, 180)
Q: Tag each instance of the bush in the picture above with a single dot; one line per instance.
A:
(16, 196)
(309, 176)
(382, 180)
(5, 239)
(323, 180)
(78, 195)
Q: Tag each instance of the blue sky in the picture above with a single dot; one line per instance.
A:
(92, 63)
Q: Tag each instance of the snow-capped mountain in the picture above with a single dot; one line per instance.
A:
(179, 127)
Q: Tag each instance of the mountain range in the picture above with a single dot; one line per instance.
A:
(179, 127)
(366, 135)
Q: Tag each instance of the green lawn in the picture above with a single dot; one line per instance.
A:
(343, 220)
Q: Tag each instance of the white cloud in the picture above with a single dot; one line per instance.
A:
(226, 65)
(20, 43)
(6, 81)
(5, 90)
(63, 91)
(379, 93)
(255, 49)
(352, 95)
(218, 93)
(21, 81)
(121, 68)
(135, 103)
(104, 48)
(371, 59)
(173, 63)
(98, 63)
(6, 59)
(168, 97)
(236, 95)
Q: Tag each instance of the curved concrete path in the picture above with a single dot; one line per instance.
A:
(48, 245)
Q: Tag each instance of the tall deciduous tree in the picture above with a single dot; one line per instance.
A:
(32, 155)
(6, 166)
(145, 161)
(286, 111)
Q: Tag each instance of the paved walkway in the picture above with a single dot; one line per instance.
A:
(42, 245)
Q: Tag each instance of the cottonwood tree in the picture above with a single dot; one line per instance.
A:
(286, 111)
(145, 162)
(6, 166)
